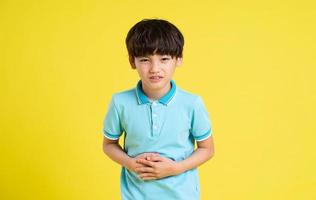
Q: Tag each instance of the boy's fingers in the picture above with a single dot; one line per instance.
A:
(147, 176)
(155, 159)
(142, 175)
(153, 154)
(143, 155)
(139, 165)
(144, 170)
(150, 155)
(146, 162)
(146, 155)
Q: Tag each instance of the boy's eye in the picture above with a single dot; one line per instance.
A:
(143, 60)
(165, 58)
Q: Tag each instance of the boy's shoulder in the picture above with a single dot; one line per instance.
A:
(123, 96)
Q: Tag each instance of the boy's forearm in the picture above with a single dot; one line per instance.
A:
(199, 156)
(116, 153)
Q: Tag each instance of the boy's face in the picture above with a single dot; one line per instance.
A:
(155, 71)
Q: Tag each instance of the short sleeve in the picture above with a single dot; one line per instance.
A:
(200, 124)
(112, 128)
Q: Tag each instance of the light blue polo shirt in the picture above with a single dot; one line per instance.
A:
(168, 126)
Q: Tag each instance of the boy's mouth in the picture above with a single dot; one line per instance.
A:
(155, 78)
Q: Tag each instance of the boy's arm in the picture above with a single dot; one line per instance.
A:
(162, 167)
(114, 151)
(204, 152)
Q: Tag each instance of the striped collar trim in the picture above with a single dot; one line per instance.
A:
(166, 99)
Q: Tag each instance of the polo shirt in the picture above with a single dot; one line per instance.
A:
(168, 126)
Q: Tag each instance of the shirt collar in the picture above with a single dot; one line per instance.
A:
(166, 99)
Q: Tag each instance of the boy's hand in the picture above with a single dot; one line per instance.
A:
(157, 167)
(133, 165)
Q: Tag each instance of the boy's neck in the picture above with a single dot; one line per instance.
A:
(156, 94)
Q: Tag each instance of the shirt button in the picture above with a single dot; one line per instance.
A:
(154, 115)
(154, 104)
(155, 127)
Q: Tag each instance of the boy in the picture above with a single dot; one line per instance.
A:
(161, 122)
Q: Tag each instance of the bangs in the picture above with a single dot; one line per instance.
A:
(154, 38)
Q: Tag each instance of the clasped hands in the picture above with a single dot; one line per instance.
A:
(152, 166)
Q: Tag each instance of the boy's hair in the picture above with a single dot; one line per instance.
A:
(154, 36)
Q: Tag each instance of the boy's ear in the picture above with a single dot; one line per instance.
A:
(179, 61)
(131, 62)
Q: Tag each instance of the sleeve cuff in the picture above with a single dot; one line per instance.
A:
(203, 136)
(110, 136)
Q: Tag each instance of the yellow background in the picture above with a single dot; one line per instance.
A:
(252, 62)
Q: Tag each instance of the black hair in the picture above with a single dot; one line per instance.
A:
(154, 36)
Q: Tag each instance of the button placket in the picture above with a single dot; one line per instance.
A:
(155, 124)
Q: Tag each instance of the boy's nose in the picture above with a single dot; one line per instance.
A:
(154, 67)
